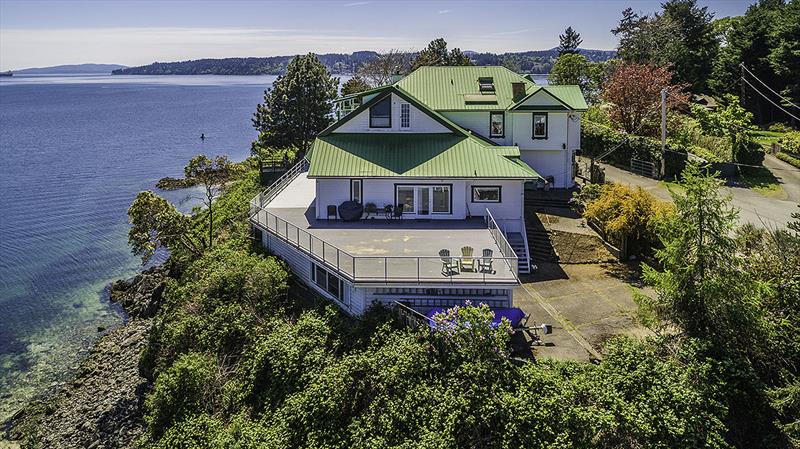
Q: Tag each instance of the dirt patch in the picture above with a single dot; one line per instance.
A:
(580, 248)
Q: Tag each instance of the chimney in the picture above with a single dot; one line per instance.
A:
(518, 90)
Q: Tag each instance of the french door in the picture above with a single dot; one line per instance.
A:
(424, 200)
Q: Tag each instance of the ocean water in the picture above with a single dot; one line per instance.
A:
(74, 151)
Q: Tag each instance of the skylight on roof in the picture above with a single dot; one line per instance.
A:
(486, 84)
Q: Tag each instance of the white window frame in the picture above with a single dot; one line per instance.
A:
(405, 115)
(499, 194)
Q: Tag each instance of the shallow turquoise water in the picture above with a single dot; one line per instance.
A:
(74, 151)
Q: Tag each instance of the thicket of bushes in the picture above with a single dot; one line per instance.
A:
(240, 358)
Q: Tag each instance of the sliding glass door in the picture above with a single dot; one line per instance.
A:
(424, 200)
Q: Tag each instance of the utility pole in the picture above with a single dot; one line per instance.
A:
(663, 131)
(741, 83)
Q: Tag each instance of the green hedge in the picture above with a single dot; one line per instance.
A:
(790, 159)
(791, 141)
(597, 139)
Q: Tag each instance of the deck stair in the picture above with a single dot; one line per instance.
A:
(517, 243)
(539, 240)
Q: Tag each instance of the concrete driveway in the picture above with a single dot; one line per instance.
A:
(753, 207)
(586, 304)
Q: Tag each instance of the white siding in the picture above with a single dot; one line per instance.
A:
(420, 122)
(382, 192)
(509, 211)
(478, 121)
(331, 192)
(556, 131)
(353, 301)
(556, 163)
(541, 98)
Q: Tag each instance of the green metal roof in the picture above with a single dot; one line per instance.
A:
(457, 89)
(569, 95)
(446, 88)
(346, 155)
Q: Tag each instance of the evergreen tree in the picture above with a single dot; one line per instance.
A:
(570, 41)
(436, 54)
(354, 85)
(297, 107)
(680, 37)
(692, 50)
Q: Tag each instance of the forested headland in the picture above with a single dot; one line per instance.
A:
(538, 61)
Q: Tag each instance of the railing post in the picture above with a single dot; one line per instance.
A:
(418, 280)
(337, 260)
(385, 270)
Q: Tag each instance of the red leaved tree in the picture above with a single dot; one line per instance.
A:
(634, 91)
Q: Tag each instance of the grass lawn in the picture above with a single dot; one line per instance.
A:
(762, 181)
(766, 138)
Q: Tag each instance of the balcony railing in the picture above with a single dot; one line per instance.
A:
(384, 269)
(388, 269)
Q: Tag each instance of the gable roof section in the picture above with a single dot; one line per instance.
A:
(570, 97)
(457, 89)
(389, 155)
(383, 93)
(445, 88)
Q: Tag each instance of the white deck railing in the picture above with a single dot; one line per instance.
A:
(384, 269)
(500, 240)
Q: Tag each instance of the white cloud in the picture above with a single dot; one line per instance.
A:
(444, 11)
(347, 5)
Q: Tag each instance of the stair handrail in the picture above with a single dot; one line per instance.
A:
(502, 243)
(268, 194)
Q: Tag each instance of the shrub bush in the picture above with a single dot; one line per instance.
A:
(779, 127)
(791, 142)
(787, 158)
(627, 212)
(185, 389)
(598, 139)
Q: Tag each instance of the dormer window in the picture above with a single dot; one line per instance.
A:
(380, 114)
(486, 84)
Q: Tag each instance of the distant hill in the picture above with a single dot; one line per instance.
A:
(537, 61)
(71, 69)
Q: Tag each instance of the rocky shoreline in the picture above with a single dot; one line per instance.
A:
(101, 407)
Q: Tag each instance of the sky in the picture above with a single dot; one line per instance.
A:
(35, 33)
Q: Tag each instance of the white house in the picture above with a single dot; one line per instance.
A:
(451, 148)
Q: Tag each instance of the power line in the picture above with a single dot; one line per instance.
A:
(769, 99)
(765, 85)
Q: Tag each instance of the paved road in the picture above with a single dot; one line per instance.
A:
(753, 207)
(787, 174)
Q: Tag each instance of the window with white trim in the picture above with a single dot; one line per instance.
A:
(328, 282)
(380, 114)
(405, 115)
(540, 125)
(486, 194)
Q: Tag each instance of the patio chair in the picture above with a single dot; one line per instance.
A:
(449, 266)
(387, 211)
(467, 262)
(370, 208)
(332, 212)
(485, 262)
(398, 212)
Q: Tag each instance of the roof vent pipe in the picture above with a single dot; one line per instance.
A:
(518, 90)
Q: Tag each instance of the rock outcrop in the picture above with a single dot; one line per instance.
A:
(102, 406)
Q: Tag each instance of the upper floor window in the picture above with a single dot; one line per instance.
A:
(540, 125)
(405, 115)
(380, 114)
(497, 124)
